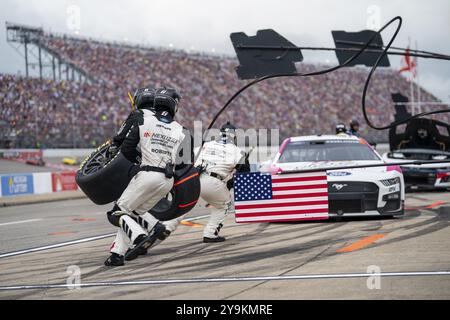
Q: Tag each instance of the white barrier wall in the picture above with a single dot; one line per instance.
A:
(42, 182)
(56, 153)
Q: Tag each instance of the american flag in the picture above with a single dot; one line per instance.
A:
(262, 197)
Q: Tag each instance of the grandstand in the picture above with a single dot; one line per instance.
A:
(67, 113)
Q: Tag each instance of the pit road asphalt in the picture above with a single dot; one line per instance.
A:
(308, 260)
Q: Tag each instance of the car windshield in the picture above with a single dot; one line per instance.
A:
(326, 151)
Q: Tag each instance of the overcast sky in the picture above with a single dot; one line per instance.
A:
(205, 25)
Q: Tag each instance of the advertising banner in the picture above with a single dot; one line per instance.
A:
(64, 181)
(17, 184)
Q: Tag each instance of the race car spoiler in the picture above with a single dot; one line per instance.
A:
(364, 166)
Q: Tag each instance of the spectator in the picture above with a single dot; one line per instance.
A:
(68, 114)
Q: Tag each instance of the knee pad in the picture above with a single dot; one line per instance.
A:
(114, 215)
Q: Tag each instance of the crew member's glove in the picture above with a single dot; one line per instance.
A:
(112, 150)
(200, 169)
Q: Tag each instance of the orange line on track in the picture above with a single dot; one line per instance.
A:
(364, 242)
(435, 204)
(191, 224)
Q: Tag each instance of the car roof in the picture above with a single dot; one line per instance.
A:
(324, 138)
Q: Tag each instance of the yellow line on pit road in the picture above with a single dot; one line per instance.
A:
(364, 242)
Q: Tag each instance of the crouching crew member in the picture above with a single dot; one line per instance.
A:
(156, 138)
(217, 161)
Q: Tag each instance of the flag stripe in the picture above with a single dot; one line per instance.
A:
(286, 204)
(269, 213)
(298, 179)
(298, 183)
(305, 192)
(281, 210)
(278, 195)
(313, 186)
(282, 218)
(285, 200)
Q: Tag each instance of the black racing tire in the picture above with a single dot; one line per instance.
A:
(182, 198)
(103, 177)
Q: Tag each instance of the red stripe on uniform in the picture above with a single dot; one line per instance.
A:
(177, 183)
(278, 213)
(284, 204)
(187, 204)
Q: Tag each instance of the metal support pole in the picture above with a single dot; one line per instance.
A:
(59, 68)
(53, 68)
(40, 62)
(417, 83)
(411, 89)
(73, 127)
(36, 127)
(26, 57)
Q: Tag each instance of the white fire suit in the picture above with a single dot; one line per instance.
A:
(158, 142)
(220, 159)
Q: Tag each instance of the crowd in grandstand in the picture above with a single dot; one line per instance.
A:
(49, 113)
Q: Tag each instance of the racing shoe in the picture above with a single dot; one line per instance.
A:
(131, 255)
(158, 232)
(213, 240)
(115, 260)
(158, 241)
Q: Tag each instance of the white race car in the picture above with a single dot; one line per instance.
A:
(370, 191)
(426, 140)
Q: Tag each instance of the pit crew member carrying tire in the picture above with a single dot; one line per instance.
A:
(155, 137)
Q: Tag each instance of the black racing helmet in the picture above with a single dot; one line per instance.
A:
(228, 131)
(340, 128)
(144, 98)
(354, 123)
(167, 99)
